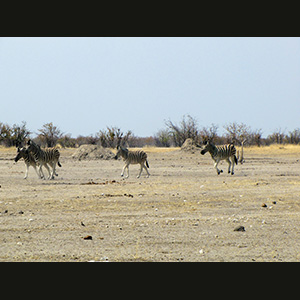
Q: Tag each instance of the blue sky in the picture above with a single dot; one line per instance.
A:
(83, 85)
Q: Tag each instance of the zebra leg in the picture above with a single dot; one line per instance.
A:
(53, 170)
(127, 171)
(148, 174)
(123, 170)
(46, 166)
(229, 165)
(40, 172)
(141, 169)
(216, 167)
(36, 171)
(232, 160)
(26, 172)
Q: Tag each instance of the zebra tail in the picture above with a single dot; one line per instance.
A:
(147, 164)
(235, 159)
(58, 163)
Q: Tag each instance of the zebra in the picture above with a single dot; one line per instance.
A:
(43, 157)
(29, 161)
(132, 157)
(226, 152)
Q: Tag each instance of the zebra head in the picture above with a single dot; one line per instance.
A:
(33, 147)
(121, 152)
(22, 153)
(209, 147)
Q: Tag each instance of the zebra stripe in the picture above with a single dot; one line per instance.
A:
(225, 152)
(43, 157)
(133, 157)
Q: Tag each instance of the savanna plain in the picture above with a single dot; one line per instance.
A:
(184, 212)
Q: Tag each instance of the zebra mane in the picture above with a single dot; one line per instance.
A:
(124, 152)
(213, 148)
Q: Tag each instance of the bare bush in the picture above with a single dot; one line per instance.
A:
(237, 133)
(210, 133)
(110, 136)
(277, 136)
(293, 137)
(163, 138)
(49, 135)
(13, 136)
(187, 128)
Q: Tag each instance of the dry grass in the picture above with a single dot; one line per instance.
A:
(184, 207)
(273, 149)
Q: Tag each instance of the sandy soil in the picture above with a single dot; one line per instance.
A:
(183, 212)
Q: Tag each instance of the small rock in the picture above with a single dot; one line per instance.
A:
(21, 212)
(82, 224)
(88, 237)
(239, 228)
(264, 205)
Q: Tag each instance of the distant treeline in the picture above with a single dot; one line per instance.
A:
(172, 135)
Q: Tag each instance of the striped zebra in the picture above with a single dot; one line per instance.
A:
(226, 152)
(43, 157)
(132, 157)
(29, 161)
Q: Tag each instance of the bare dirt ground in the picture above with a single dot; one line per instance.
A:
(183, 212)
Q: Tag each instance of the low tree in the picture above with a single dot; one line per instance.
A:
(277, 136)
(163, 138)
(13, 136)
(5, 134)
(255, 137)
(209, 133)
(237, 132)
(49, 135)
(110, 136)
(293, 137)
(19, 133)
(187, 128)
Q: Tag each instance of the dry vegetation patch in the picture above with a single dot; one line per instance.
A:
(183, 212)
